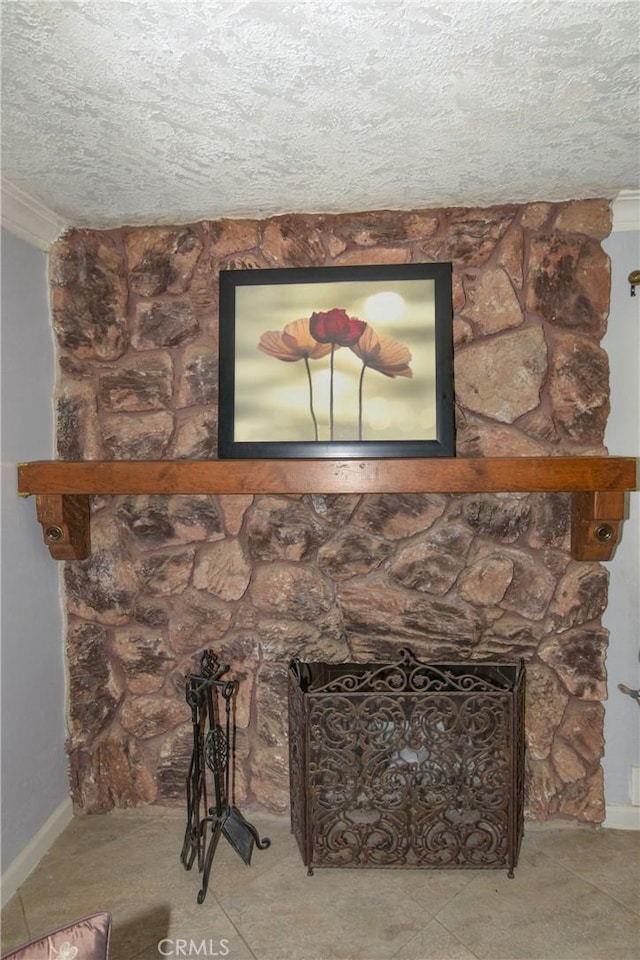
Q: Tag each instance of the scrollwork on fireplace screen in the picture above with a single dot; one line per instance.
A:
(407, 764)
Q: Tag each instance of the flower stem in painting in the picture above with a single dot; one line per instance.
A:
(337, 328)
(313, 416)
(293, 344)
(333, 350)
(387, 356)
(360, 385)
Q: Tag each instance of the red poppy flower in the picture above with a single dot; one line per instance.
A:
(337, 327)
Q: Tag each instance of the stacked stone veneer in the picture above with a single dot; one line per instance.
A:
(262, 579)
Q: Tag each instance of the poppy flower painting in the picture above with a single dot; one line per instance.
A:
(336, 362)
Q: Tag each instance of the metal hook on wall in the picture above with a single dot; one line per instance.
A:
(634, 280)
(634, 694)
(622, 687)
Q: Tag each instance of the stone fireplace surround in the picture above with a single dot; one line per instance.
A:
(263, 579)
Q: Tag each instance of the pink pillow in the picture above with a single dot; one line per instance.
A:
(86, 939)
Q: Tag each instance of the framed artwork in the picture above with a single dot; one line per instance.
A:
(339, 362)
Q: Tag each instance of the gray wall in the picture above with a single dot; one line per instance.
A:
(622, 343)
(34, 774)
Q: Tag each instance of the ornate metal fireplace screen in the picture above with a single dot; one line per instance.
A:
(407, 764)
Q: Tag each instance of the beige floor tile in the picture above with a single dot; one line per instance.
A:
(433, 889)
(545, 913)
(434, 943)
(14, 929)
(348, 914)
(64, 891)
(609, 859)
(142, 891)
(137, 931)
(178, 932)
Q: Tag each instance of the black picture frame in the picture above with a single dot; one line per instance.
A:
(293, 382)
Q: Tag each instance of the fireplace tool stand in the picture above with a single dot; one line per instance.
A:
(213, 749)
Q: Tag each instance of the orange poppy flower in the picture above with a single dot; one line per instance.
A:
(383, 354)
(293, 343)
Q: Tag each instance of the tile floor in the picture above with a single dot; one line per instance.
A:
(575, 896)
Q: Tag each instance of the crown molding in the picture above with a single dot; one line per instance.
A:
(28, 218)
(31, 220)
(626, 211)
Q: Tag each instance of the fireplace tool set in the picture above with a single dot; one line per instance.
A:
(211, 701)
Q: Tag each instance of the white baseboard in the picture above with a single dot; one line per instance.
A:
(18, 871)
(622, 817)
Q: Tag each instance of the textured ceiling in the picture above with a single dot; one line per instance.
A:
(144, 111)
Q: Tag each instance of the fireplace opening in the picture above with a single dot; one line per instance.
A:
(407, 764)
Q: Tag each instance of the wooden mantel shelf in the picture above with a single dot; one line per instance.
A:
(598, 486)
